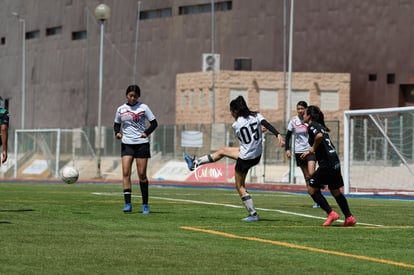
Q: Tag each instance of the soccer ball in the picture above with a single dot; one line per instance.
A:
(69, 174)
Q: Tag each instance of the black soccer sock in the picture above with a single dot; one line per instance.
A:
(343, 204)
(321, 200)
(127, 195)
(144, 191)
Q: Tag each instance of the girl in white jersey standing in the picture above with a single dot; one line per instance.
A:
(300, 129)
(248, 129)
(131, 117)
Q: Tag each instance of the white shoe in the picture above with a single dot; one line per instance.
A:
(251, 218)
(315, 205)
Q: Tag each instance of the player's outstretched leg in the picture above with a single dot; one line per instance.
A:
(189, 161)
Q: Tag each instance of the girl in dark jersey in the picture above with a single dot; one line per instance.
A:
(4, 130)
(329, 170)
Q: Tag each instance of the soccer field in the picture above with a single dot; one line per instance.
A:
(56, 228)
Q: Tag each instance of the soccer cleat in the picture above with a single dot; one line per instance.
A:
(127, 208)
(251, 218)
(333, 216)
(145, 209)
(189, 161)
(315, 205)
(350, 221)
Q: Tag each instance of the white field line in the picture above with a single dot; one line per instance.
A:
(236, 206)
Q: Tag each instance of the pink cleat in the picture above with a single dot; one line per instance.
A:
(333, 216)
(350, 221)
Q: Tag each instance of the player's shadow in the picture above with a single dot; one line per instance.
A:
(81, 212)
(151, 212)
(13, 211)
(16, 210)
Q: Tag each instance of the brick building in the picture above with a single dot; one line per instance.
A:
(263, 91)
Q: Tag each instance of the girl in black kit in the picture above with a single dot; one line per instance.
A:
(329, 170)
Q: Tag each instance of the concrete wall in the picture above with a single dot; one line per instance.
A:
(346, 36)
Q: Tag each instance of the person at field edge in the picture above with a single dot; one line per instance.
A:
(299, 128)
(131, 117)
(4, 130)
(248, 129)
(329, 168)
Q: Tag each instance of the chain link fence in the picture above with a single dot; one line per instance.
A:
(41, 153)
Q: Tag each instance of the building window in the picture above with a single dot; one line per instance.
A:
(54, 31)
(3, 40)
(390, 78)
(191, 98)
(211, 98)
(204, 8)
(32, 34)
(298, 95)
(182, 101)
(79, 35)
(151, 14)
(269, 99)
(329, 100)
(201, 103)
(236, 92)
(372, 77)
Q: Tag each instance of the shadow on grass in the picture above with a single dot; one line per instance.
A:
(16, 210)
(80, 212)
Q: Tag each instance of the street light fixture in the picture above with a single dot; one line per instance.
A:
(102, 13)
(23, 65)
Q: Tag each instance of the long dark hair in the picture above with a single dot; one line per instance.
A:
(239, 106)
(316, 115)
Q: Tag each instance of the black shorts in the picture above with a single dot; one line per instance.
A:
(304, 162)
(136, 150)
(330, 176)
(243, 165)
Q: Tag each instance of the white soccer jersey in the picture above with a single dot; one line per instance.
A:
(249, 132)
(299, 128)
(132, 119)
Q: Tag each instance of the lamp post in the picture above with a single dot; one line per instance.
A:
(102, 13)
(136, 43)
(289, 91)
(23, 65)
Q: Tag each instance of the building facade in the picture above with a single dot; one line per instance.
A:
(263, 91)
(370, 40)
